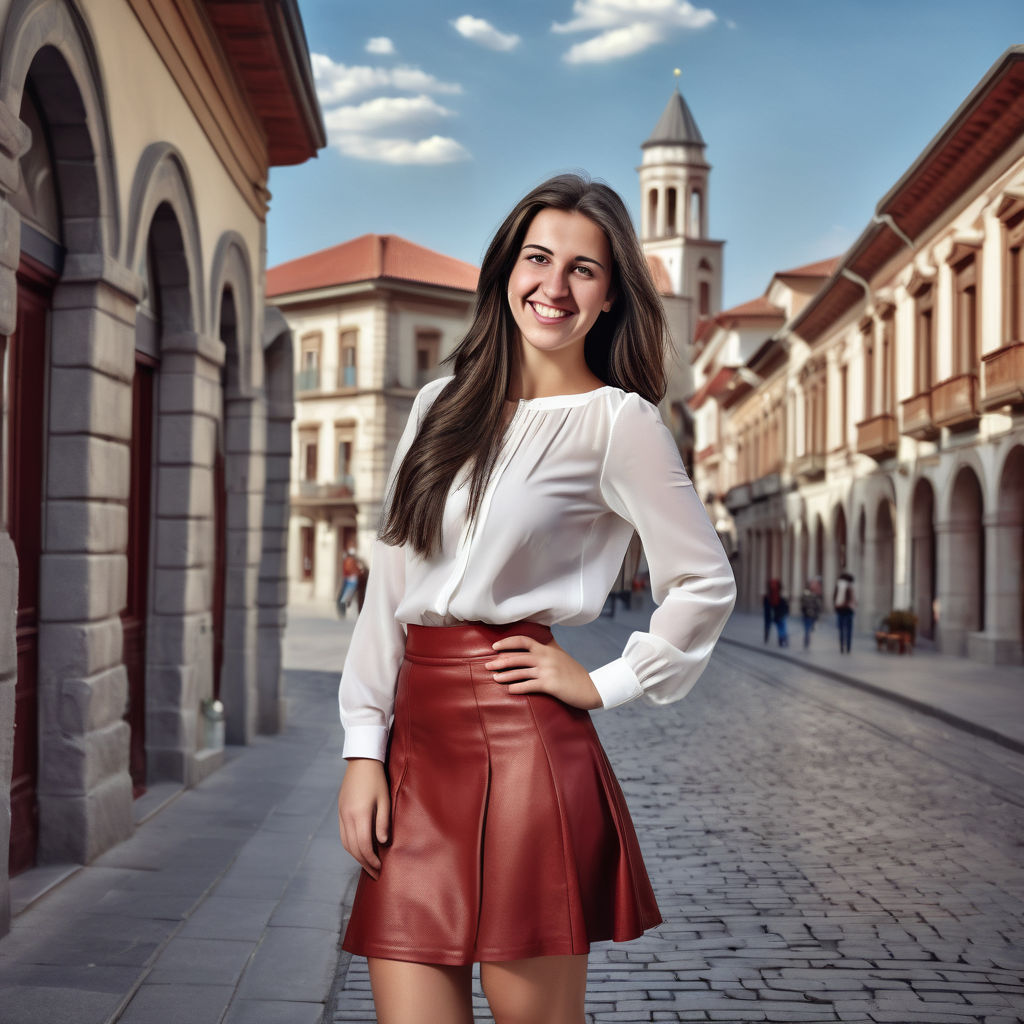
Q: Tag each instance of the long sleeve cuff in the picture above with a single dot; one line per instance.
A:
(616, 682)
(366, 741)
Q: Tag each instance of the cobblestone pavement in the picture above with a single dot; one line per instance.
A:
(819, 854)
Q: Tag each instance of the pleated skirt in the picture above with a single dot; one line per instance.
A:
(510, 837)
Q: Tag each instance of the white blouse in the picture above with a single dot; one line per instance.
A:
(574, 476)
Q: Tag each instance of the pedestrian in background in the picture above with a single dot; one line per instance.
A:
(810, 607)
(485, 815)
(770, 603)
(844, 600)
(350, 581)
(780, 615)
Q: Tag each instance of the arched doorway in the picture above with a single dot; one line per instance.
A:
(962, 589)
(882, 563)
(922, 558)
(1006, 600)
(839, 538)
(819, 547)
(28, 360)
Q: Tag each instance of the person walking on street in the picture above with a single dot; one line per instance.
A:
(810, 608)
(844, 600)
(350, 581)
(772, 597)
(780, 615)
(477, 797)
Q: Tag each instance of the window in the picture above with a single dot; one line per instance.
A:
(670, 213)
(843, 409)
(868, 341)
(428, 355)
(344, 447)
(348, 342)
(307, 543)
(923, 338)
(888, 363)
(965, 342)
(308, 377)
(704, 300)
(1015, 277)
(308, 455)
(696, 214)
(652, 212)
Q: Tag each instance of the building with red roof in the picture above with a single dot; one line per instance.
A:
(372, 319)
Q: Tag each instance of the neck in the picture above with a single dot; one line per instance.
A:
(538, 375)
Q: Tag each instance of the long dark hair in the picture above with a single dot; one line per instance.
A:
(625, 347)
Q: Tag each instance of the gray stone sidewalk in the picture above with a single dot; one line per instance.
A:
(225, 906)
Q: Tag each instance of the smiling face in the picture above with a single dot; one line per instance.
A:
(560, 283)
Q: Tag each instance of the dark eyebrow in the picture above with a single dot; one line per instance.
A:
(578, 259)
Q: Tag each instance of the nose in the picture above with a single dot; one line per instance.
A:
(556, 282)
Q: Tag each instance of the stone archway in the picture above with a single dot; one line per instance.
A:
(839, 539)
(48, 73)
(962, 561)
(272, 594)
(922, 558)
(882, 551)
(1005, 604)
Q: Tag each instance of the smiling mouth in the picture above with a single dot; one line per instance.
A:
(549, 312)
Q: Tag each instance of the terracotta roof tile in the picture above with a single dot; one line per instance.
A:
(660, 274)
(369, 258)
(823, 268)
(755, 309)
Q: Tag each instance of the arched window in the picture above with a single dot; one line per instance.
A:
(652, 212)
(670, 212)
(696, 214)
(704, 299)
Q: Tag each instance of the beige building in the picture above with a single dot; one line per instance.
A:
(144, 386)
(868, 413)
(371, 320)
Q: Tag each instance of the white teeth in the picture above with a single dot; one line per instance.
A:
(548, 311)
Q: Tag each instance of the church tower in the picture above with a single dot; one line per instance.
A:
(674, 211)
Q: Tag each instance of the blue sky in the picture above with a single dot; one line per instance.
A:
(441, 114)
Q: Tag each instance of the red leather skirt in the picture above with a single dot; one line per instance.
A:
(510, 836)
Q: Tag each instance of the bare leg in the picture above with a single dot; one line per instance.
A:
(541, 990)
(410, 993)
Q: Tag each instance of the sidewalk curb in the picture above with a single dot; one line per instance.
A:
(964, 724)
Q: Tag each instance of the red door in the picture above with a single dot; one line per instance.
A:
(133, 618)
(27, 362)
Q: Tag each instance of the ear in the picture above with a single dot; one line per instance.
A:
(609, 302)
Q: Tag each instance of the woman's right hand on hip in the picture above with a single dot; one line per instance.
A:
(364, 811)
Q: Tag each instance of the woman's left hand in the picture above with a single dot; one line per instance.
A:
(533, 667)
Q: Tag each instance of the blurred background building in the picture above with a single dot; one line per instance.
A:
(867, 413)
(371, 320)
(147, 401)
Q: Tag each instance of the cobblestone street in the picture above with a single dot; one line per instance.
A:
(819, 854)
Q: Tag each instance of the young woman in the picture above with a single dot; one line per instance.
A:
(486, 818)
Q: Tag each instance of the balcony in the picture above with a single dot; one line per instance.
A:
(765, 486)
(346, 377)
(312, 496)
(878, 437)
(308, 380)
(955, 402)
(737, 497)
(917, 417)
(810, 466)
(1002, 375)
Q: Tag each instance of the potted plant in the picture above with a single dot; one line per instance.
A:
(903, 623)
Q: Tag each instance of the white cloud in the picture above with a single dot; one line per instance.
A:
(381, 45)
(384, 128)
(435, 150)
(484, 33)
(626, 27)
(338, 82)
(382, 113)
(615, 43)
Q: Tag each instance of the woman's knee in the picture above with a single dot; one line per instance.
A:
(540, 990)
(414, 993)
